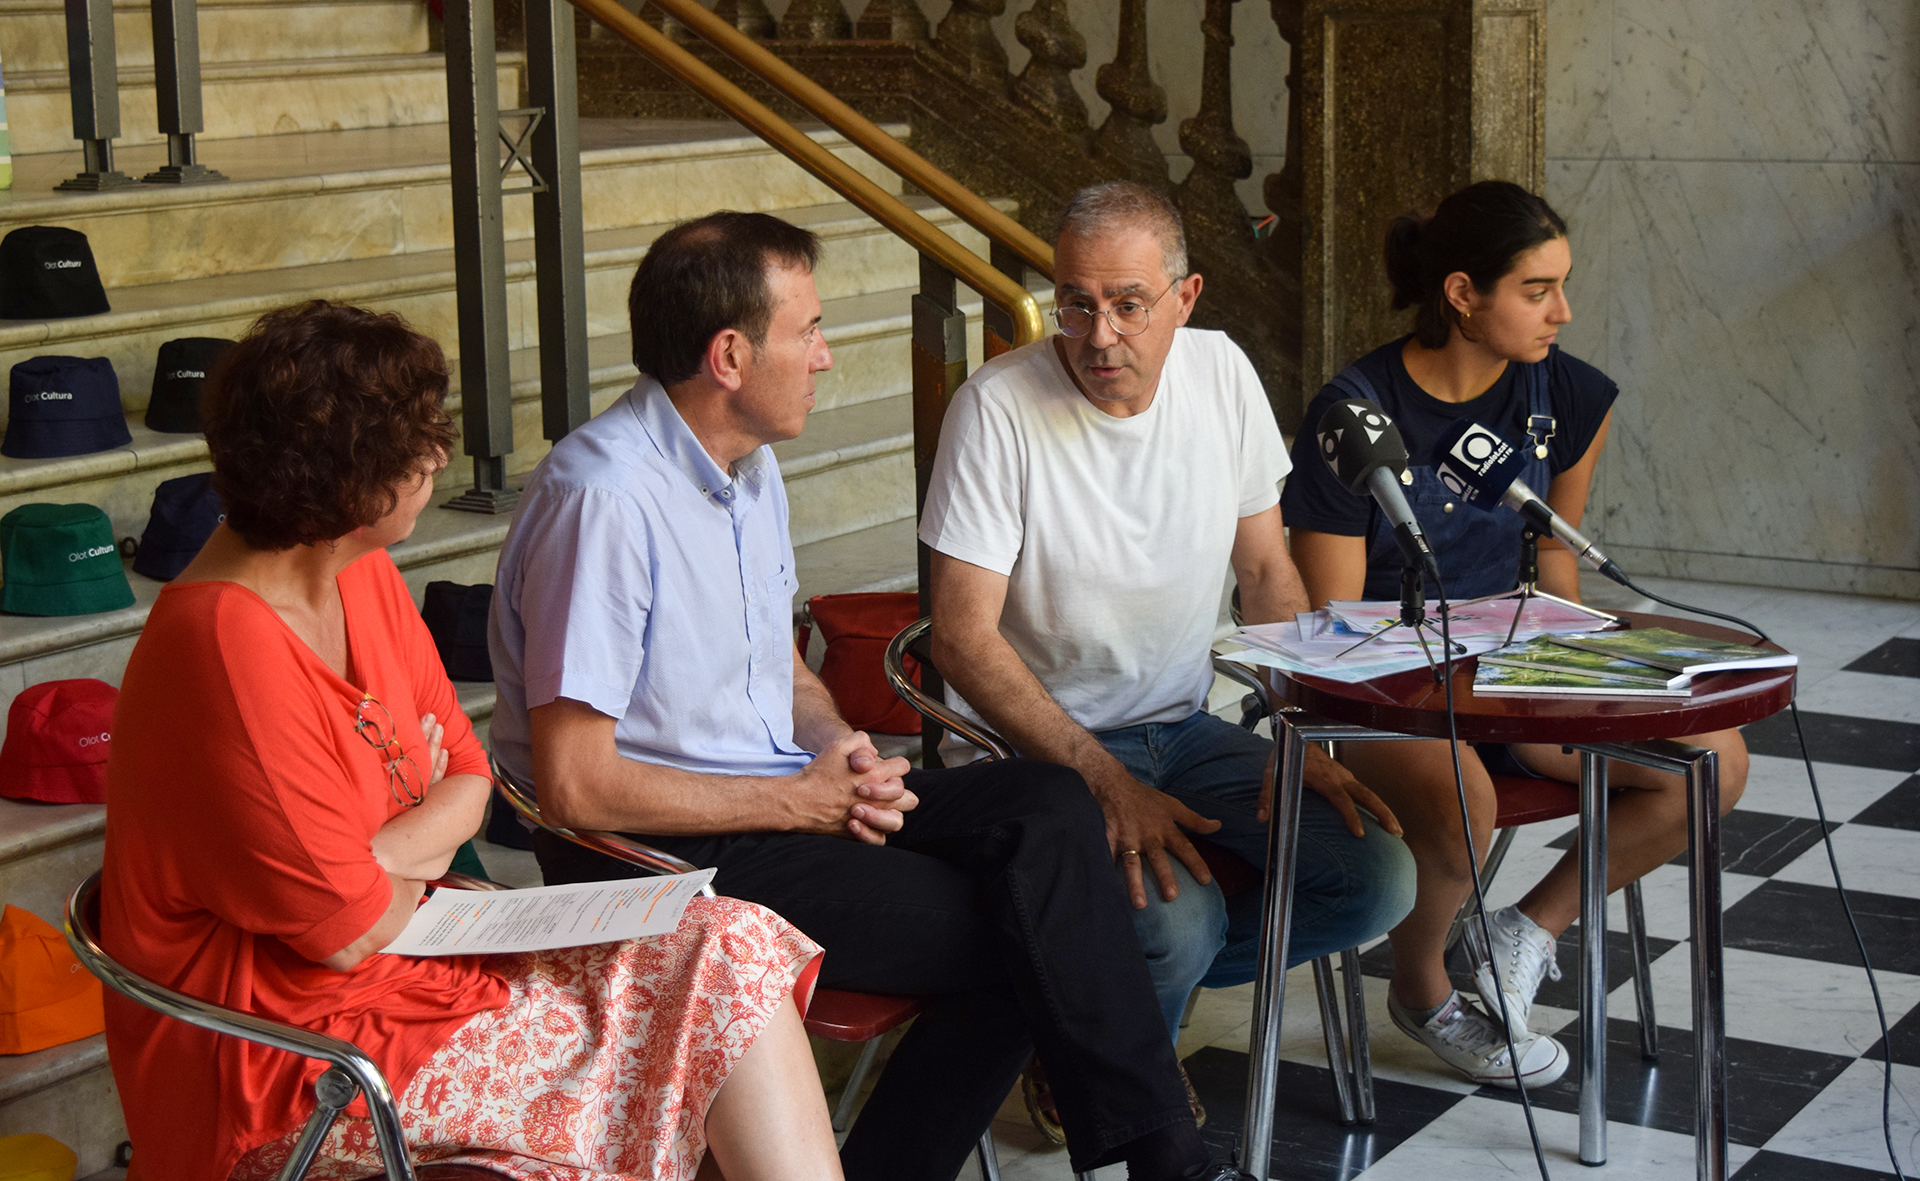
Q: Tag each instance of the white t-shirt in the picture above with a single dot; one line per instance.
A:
(1114, 533)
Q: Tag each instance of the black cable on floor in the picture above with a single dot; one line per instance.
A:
(1473, 870)
(1833, 863)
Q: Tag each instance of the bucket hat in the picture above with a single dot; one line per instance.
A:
(185, 512)
(60, 559)
(46, 997)
(178, 374)
(457, 617)
(63, 406)
(48, 273)
(58, 734)
(34, 1157)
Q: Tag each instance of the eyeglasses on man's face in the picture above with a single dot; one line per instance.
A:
(1129, 317)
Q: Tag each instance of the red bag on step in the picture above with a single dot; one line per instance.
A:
(857, 629)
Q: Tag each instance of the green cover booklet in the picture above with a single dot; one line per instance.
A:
(1543, 656)
(1539, 667)
(1675, 652)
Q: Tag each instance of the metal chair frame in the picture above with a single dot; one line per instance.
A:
(1351, 1067)
(519, 796)
(350, 1071)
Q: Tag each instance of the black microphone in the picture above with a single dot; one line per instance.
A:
(1367, 455)
(1483, 470)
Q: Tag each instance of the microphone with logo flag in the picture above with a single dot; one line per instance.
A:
(1483, 470)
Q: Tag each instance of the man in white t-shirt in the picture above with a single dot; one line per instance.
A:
(1091, 493)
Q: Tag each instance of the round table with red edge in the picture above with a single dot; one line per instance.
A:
(1640, 730)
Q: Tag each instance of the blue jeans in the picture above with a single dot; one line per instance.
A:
(1346, 890)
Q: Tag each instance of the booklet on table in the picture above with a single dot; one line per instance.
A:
(1677, 652)
(1542, 655)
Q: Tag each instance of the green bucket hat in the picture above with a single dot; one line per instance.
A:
(60, 559)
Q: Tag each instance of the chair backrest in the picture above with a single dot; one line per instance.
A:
(352, 1071)
(518, 793)
(914, 639)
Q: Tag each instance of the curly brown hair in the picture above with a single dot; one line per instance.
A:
(316, 418)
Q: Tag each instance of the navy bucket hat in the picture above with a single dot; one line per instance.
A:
(185, 512)
(63, 406)
(178, 375)
(48, 273)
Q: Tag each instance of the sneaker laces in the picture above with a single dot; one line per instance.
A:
(1521, 949)
(1483, 1039)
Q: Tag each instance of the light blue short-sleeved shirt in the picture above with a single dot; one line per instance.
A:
(641, 579)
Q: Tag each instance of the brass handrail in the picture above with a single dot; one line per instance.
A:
(796, 145)
(820, 102)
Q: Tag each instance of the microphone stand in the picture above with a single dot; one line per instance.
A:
(1413, 614)
(1529, 587)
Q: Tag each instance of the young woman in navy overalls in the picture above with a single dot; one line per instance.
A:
(1487, 274)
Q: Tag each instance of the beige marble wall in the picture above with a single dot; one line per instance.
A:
(1742, 180)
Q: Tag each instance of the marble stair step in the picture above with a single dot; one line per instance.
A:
(859, 259)
(45, 849)
(66, 1092)
(852, 468)
(33, 33)
(318, 197)
(459, 547)
(255, 98)
(869, 347)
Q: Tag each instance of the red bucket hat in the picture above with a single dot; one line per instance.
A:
(58, 734)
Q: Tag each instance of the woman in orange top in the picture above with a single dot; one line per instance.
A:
(290, 767)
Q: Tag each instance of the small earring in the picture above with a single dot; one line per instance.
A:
(1466, 315)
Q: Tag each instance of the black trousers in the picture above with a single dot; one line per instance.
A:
(998, 900)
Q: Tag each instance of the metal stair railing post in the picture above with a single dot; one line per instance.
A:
(939, 367)
(997, 329)
(559, 240)
(176, 79)
(93, 77)
(479, 255)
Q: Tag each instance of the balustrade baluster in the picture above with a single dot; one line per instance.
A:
(656, 16)
(816, 20)
(892, 20)
(1125, 140)
(967, 36)
(749, 16)
(1057, 49)
(1282, 190)
(1220, 157)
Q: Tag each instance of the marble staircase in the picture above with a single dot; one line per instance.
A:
(339, 189)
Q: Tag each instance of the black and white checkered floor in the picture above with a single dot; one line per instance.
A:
(1803, 1043)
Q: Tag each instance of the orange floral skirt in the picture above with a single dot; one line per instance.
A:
(600, 1066)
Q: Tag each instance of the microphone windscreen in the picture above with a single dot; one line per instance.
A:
(1357, 439)
(1475, 464)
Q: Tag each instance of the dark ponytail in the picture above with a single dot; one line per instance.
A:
(1479, 230)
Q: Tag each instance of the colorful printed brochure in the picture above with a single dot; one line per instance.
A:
(1675, 652)
(1506, 680)
(1545, 656)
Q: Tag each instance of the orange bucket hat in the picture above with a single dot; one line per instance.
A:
(46, 997)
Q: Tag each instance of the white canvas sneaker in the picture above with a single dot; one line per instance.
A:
(1466, 1040)
(1522, 953)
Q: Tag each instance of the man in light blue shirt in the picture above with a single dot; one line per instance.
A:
(648, 684)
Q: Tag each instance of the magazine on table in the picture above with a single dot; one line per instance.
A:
(1674, 651)
(1508, 680)
(1544, 655)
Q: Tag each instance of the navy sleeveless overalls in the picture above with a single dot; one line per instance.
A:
(1478, 551)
